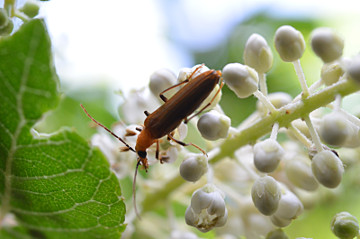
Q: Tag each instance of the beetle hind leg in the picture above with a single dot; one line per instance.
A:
(186, 144)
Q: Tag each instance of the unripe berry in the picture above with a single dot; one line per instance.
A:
(345, 226)
(326, 44)
(327, 168)
(6, 30)
(331, 73)
(257, 54)
(4, 18)
(30, 8)
(193, 167)
(289, 43)
(266, 195)
(241, 79)
(267, 155)
(213, 125)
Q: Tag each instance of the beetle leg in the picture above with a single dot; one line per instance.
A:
(207, 105)
(186, 144)
(179, 84)
(157, 150)
(146, 113)
(163, 97)
(129, 133)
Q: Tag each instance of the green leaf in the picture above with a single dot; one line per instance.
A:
(55, 185)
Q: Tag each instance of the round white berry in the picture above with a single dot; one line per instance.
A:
(193, 167)
(213, 125)
(334, 129)
(289, 43)
(241, 79)
(257, 54)
(327, 168)
(331, 73)
(160, 80)
(353, 68)
(267, 155)
(326, 44)
(266, 194)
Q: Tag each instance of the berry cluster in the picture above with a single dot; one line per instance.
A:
(266, 182)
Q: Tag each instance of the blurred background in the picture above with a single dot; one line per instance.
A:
(104, 49)
(105, 46)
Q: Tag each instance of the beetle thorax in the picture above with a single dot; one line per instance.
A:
(144, 140)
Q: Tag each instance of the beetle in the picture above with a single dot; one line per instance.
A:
(164, 120)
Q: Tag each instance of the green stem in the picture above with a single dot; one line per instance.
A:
(284, 116)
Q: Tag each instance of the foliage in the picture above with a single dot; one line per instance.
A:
(55, 185)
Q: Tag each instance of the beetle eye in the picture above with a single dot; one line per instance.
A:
(142, 154)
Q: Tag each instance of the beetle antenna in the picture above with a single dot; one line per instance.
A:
(134, 189)
(108, 130)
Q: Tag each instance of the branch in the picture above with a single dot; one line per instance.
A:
(284, 116)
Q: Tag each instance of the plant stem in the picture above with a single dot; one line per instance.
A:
(262, 83)
(284, 116)
(300, 136)
(314, 135)
(301, 77)
(274, 131)
(263, 99)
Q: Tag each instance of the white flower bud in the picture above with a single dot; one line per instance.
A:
(257, 54)
(290, 207)
(353, 69)
(300, 174)
(241, 79)
(334, 129)
(331, 73)
(278, 99)
(213, 125)
(327, 168)
(207, 209)
(326, 44)
(193, 167)
(267, 155)
(345, 226)
(289, 43)
(266, 194)
(161, 80)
